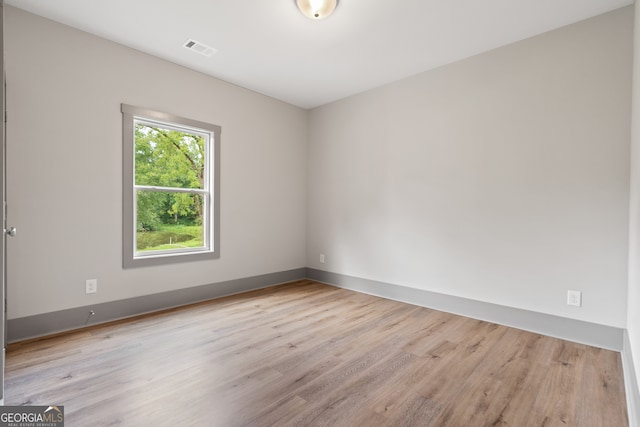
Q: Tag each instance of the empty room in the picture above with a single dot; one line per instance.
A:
(321, 213)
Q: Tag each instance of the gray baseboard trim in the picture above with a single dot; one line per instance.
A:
(593, 334)
(39, 325)
(632, 389)
(23, 328)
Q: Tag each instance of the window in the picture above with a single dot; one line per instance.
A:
(170, 188)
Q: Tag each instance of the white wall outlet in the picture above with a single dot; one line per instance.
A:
(574, 298)
(321, 258)
(91, 286)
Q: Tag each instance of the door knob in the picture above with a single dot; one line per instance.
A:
(11, 231)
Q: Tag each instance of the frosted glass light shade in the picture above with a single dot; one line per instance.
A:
(316, 9)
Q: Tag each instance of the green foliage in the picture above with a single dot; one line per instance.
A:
(170, 237)
(168, 158)
(149, 210)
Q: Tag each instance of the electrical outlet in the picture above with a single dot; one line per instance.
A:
(91, 286)
(321, 258)
(574, 298)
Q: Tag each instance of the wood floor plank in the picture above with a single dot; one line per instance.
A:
(309, 354)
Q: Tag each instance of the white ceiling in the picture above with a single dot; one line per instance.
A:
(269, 47)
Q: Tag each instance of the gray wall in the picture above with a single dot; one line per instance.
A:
(64, 174)
(502, 178)
(633, 310)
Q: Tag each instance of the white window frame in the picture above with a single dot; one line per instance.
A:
(211, 193)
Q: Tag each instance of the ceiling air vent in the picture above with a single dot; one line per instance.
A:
(198, 47)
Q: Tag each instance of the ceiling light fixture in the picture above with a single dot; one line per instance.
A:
(316, 9)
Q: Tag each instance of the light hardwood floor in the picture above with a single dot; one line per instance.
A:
(308, 354)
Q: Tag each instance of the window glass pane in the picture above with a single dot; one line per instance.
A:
(170, 188)
(168, 158)
(169, 221)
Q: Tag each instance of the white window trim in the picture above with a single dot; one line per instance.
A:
(130, 114)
